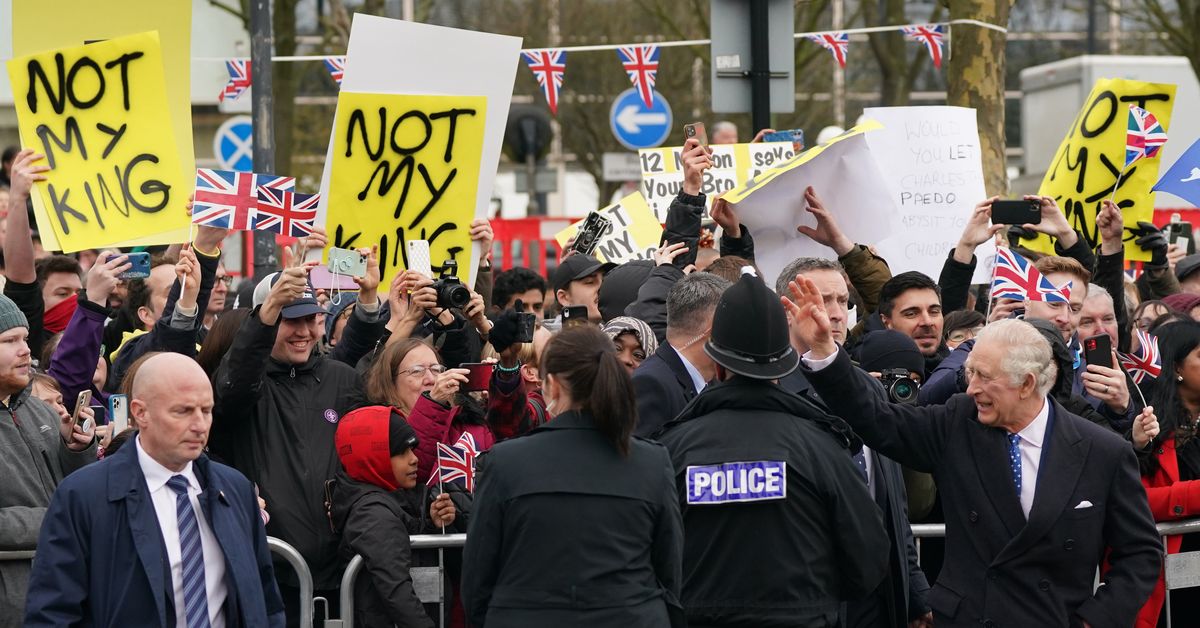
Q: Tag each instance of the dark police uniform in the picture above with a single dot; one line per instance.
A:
(779, 526)
(566, 532)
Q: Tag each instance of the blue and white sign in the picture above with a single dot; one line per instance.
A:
(234, 144)
(634, 125)
(737, 482)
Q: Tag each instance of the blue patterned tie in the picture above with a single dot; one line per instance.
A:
(195, 594)
(1014, 460)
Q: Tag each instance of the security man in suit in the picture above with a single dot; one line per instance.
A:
(778, 525)
(1033, 495)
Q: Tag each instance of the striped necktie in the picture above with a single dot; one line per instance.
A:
(195, 594)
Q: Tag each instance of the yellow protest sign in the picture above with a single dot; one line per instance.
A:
(406, 168)
(99, 114)
(1092, 158)
(733, 165)
(633, 234)
(91, 21)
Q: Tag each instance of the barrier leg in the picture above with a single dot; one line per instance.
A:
(289, 553)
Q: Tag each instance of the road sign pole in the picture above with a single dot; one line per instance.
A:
(760, 66)
(265, 260)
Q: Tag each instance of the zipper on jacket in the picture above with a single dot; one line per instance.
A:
(293, 374)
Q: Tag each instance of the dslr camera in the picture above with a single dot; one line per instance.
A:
(900, 387)
(451, 293)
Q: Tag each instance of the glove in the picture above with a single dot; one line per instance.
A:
(1151, 239)
(506, 327)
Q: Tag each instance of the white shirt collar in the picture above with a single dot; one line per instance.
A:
(1035, 432)
(697, 378)
(156, 474)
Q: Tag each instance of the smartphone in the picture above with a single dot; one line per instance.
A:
(574, 315)
(479, 376)
(118, 414)
(526, 322)
(347, 262)
(696, 130)
(81, 402)
(1179, 232)
(1019, 212)
(418, 257)
(795, 136)
(1098, 350)
(589, 234)
(139, 265)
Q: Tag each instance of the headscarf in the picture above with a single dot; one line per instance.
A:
(645, 335)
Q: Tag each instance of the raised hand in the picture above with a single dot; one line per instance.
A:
(979, 230)
(104, 277)
(667, 254)
(808, 318)
(696, 158)
(827, 231)
(1111, 224)
(1145, 428)
(1054, 222)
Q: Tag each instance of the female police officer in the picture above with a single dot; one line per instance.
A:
(577, 523)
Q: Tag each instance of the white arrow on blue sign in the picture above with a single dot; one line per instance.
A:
(234, 144)
(634, 125)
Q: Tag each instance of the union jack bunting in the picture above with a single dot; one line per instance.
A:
(931, 35)
(548, 67)
(239, 79)
(229, 199)
(836, 43)
(457, 462)
(1145, 136)
(336, 67)
(285, 212)
(1013, 277)
(1146, 361)
(641, 64)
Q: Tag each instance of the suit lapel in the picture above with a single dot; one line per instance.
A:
(129, 483)
(990, 451)
(219, 513)
(1058, 473)
(671, 357)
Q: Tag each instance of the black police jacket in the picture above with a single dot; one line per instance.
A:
(779, 526)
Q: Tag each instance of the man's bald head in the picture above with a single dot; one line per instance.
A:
(166, 371)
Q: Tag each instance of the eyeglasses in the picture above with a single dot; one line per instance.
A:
(419, 370)
(962, 335)
(227, 280)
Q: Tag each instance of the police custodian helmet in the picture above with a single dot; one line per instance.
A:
(750, 331)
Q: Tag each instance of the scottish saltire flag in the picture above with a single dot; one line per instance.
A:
(1013, 277)
(548, 67)
(285, 212)
(836, 43)
(1145, 136)
(1146, 361)
(457, 462)
(336, 67)
(239, 79)
(641, 64)
(229, 200)
(1183, 179)
(931, 35)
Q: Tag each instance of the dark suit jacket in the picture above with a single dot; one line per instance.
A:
(663, 387)
(1001, 570)
(101, 560)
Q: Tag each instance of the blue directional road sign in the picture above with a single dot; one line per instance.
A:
(634, 125)
(234, 144)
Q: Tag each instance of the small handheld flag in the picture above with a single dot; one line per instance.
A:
(239, 79)
(457, 462)
(548, 67)
(836, 43)
(1146, 361)
(931, 35)
(1145, 136)
(641, 64)
(285, 212)
(229, 200)
(1013, 277)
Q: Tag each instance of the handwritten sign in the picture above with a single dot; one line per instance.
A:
(1090, 160)
(733, 165)
(99, 114)
(406, 168)
(930, 160)
(634, 233)
(91, 21)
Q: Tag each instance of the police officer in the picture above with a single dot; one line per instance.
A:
(778, 524)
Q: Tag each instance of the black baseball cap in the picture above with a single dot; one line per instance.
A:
(1187, 266)
(577, 267)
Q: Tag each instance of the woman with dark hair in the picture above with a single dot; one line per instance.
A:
(1147, 311)
(576, 524)
(1171, 465)
(219, 339)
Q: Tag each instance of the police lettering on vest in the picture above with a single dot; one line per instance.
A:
(737, 482)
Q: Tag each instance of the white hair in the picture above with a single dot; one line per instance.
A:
(1026, 352)
(725, 125)
(1097, 292)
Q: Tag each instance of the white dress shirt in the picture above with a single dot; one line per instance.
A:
(214, 558)
(697, 378)
(1030, 445)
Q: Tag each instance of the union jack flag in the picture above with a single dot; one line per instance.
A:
(549, 67)
(457, 462)
(285, 212)
(336, 67)
(837, 43)
(1146, 361)
(1145, 135)
(1013, 277)
(239, 79)
(641, 64)
(229, 199)
(931, 35)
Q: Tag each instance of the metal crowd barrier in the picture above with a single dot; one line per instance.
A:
(427, 581)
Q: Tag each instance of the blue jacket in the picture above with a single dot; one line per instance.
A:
(101, 560)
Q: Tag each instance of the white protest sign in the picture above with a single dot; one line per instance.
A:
(844, 174)
(386, 56)
(732, 165)
(930, 159)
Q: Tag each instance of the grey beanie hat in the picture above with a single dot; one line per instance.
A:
(11, 316)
